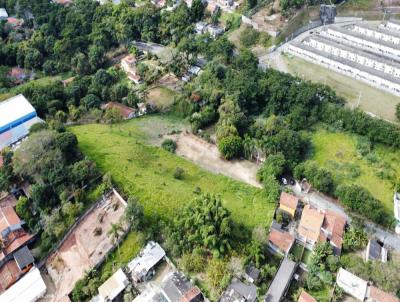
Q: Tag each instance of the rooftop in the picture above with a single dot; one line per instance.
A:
(352, 284)
(288, 200)
(376, 251)
(306, 297)
(282, 240)
(177, 287)
(311, 223)
(29, 288)
(3, 13)
(334, 224)
(114, 285)
(13, 109)
(123, 109)
(9, 273)
(377, 295)
(281, 281)
(146, 260)
(377, 29)
(23, 258)
(239, 291)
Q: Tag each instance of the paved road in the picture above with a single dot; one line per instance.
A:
(324, 202)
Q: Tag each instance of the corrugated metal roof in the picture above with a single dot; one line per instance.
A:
(28, 289)
(110, 289)
(17, 133)
(13, 109)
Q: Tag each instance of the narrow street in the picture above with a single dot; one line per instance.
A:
(324, 202)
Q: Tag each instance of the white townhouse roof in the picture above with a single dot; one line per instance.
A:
(29, 288)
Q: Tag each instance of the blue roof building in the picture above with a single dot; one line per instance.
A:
(17, 115)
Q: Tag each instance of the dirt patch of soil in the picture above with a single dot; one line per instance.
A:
(207, 156)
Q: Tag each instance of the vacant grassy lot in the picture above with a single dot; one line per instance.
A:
(372, 100)
(338, 153)
(161, 97)
(147, 172)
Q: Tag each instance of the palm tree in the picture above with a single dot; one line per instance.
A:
(115, 232)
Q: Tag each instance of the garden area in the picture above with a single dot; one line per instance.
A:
(352, 160)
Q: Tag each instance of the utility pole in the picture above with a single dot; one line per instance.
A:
(359, 99)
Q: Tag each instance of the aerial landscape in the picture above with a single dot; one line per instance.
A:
(199, 150)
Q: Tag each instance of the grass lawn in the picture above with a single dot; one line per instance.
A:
(42, 81)
(337, 152)
(372, 100)
(161, 97)
(147, 172)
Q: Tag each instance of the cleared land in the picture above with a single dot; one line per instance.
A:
(147, 172)
(207, 156)
(161, 97)
(78, 254)
(372, 100)
(337, 152)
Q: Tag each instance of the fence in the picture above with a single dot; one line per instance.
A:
(76, 223)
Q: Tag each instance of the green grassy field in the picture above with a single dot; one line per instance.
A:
(338, 153)
(147, 172)
(372, 100)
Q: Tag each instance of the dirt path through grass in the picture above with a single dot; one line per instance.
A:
(207, 156)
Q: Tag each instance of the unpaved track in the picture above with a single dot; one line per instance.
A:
(207, 156)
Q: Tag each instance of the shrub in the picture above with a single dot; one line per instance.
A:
(169, 145)
(178, 173)
(249, 37)
(230, 146)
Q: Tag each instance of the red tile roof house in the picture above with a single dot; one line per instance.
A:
(126, 112)
(288, 203)
(375, 294)
(318, 226)
(14, 240)
(18, 75)
(14, 22)
(280, 242)
(128, 64)
(306, 297)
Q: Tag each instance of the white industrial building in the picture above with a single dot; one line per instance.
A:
(17, 115)
(365, 53)
(363, 42)
(29, 288)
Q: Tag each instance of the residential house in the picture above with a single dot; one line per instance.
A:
(125, 111)
(159, 3)
(281, 282)
(142, 267)
(200, 27)
(17, 75)
(306, 297)
(280, 241)
(16, 117)
(375, 294)
(114, 286)
(321, 226)
(215, 31)
(352, 284)
(142, 109)
(251, 273)
(7, 200)
(12, 233)
(192, 71)
(152, 293)
(332, 230)
(3, 13)
(14, 22)
(29, 288)
(376, 251)
(176, 287)
(128, 64)
(288, 203)
(310, 226)
(239, 291)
